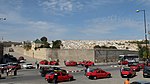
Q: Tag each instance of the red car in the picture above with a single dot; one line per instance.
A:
(86, 63)
(43, 62)
(62, 76)
(141, 65)
(13, 65)
(53, 63)
(134, 66)
(71, 63)
(123, 62)
(98, 73)
(127, 72)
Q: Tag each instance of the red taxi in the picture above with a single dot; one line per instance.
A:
(127, 72)
(86, 63)
(62, 76)
(141, 65)
(13, 65)
(123, 62)
(70, 63)
(98, 73)
(53, 63)
(134, 66)
(43, 62)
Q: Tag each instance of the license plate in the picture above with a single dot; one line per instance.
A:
(124, 75)
(145, 73)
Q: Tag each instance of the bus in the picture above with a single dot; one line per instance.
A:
(125, 59)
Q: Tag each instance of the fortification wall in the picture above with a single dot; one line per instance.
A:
(97, 56)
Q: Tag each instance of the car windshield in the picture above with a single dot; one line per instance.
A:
(126, 69)
(147, 68)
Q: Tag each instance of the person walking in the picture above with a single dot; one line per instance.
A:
(86, 68)
(127, 81)
(15, 72)
(55, 78)
(2, 71)
(7, 72)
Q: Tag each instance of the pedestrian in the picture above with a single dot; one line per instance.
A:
(10, 71)
(86, 68)
(127, 81)
(37, 65)
(7, 72)
(2, 71)
(15, 72)
(55, 78)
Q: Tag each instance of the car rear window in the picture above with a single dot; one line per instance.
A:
(126, 69)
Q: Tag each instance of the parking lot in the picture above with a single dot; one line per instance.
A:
(32, 76)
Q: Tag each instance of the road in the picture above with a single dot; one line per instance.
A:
(32, 76)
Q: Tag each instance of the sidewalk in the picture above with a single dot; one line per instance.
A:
(109, 63)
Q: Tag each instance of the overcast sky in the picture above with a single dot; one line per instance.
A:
(73, 19)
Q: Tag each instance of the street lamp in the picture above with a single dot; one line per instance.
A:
(145, 32)
(1, 18)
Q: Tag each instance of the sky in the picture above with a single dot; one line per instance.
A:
(73, 19)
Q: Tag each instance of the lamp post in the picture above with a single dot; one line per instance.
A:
(2, 44)
(1, 18)
(145, 33)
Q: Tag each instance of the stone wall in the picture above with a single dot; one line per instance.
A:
(97, 56)
(76, 54)
(18, 49)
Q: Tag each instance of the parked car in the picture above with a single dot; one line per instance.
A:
(21, 59)
(62, 76)
(43, 62)
(53, 63)
(146, 71)
(98, 73)
(86, 63)
(13, 65)
(46, 70)
(141, 65)
(127, 72)
(134, 66)
(28, 66)
(70, 63)
(123, 62)
(11, 50)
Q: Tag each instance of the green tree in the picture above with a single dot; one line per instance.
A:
(56, 44)
(44, 42)
(43, 39)
(112, 47)
(97, 46)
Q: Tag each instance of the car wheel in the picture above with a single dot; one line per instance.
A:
(144, 76)
(42, 75)
(122, 76)
(109, 76)
(70, 79)
(48, 81)
(94, 77)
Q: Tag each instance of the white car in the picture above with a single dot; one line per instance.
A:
(28, 66)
